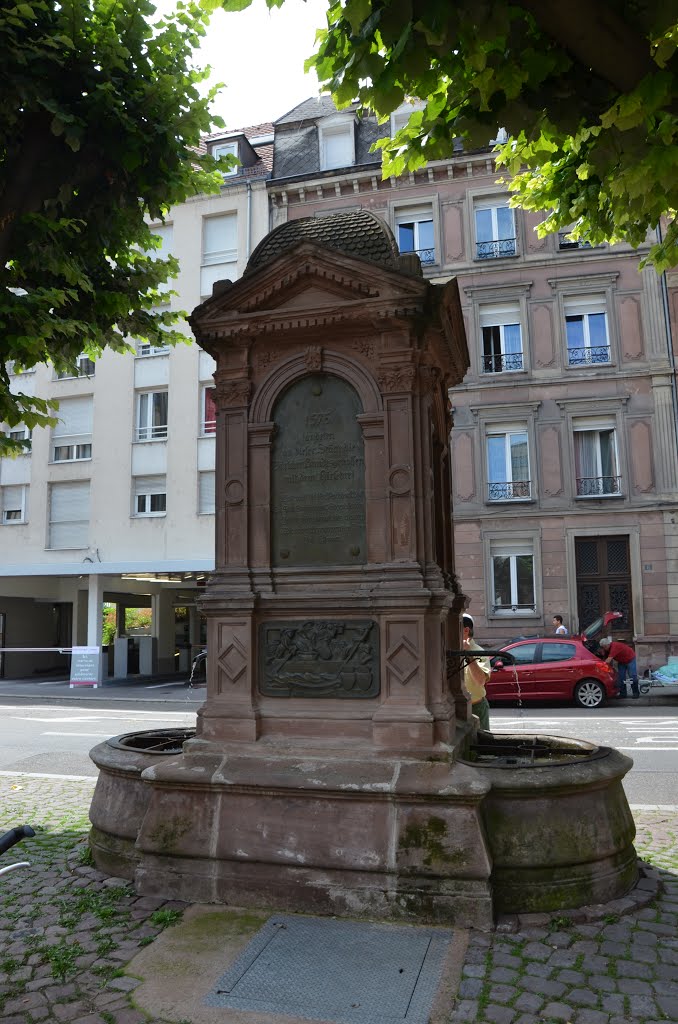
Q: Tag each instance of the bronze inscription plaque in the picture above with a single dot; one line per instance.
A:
(319, 658)
(318, 475)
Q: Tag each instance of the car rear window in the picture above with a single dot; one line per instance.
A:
(557, 652)
(523, 653)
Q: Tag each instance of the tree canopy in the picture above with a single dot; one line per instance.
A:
(99, 129)
(587, 91)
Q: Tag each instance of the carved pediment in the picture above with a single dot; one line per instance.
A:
(306, 279)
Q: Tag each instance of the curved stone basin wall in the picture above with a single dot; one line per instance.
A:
(412, 840)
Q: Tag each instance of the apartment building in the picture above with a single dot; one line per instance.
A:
(565, 457)
(116, 502)
(565, 454)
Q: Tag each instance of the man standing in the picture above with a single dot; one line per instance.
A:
(625, 657)
(476, 674)
(561, 630)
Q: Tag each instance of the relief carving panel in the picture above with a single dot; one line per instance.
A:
(336, 658)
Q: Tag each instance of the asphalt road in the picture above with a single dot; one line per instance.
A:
(54, 738)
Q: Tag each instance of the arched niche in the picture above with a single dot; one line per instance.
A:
(318, 474)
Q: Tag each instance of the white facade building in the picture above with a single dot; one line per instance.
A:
(116, 502)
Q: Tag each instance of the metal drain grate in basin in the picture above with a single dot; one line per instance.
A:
(341, 971)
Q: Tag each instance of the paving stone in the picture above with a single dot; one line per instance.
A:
(502, 993)
(527, 1018)
(633, 986)
(571, 977)
(583, 997)
(536, 951)
(538, 970)
(614, 1003)
(529, 1001)
(543, 986)
(668, 1006)
(560, 1011)
(561, 940)
(642, 1006)
(124, 984)
(499, 1014)
(474, 970)
(503, 974)
(588, 1016)
(465, 1009)
(563, 958)
(602, 983)
(470, 988)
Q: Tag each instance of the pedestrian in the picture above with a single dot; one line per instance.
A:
(561, 630)
(476, 673)
(625, 657)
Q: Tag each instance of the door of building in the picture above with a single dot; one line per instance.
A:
(604, 580)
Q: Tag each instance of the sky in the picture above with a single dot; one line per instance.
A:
(259, 55)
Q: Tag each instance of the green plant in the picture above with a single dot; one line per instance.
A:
(163, 918)
(106, 946)
(62, 958)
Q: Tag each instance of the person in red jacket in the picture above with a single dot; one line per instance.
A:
(625, 657)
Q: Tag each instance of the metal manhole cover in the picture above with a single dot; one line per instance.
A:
(340, 971)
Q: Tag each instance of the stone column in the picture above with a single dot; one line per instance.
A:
(665, 435)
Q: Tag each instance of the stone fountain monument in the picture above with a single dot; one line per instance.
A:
(332, 767)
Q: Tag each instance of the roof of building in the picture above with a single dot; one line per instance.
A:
(264, 151)
(310, 109)
(356, 232)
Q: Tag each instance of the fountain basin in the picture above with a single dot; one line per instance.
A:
(387, 838)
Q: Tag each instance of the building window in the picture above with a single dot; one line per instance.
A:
(508, 467)
(226, 149)
(596, 460)
(206, 491)
(219, 251)
(208, 411)
(502, 338)
(152, 408)
(337, 144)
(565, 241)
(144, 348)
(20, 433)
(69, 514)
(84, 367)
(14, 500)
(495, 230)
(72, 436)
(414, 227)
(513, 577)
(401, 116)
(586, 330)
(150, 496)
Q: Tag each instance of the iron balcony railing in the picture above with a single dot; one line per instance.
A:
(495, 249)
(502, 362)
(425, 255)
(587, 356)
(566, 242)
(596, 486)
(509, 490)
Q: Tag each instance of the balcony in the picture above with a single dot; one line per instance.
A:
(509, 490)
(503, 362)
(598, 486)
(588, 356)
(566, 242)
(496, 249)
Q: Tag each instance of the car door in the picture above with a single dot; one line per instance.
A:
(556, 670)
(513, 682)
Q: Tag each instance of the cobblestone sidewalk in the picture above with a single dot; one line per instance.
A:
(66, 935)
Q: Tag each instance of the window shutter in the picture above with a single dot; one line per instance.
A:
(206, 492)
(579, 304)
(69, 514)
(165, 232)
(220, 239)
(150, 484)
(12, 501)
(75, 418)
(496, 315)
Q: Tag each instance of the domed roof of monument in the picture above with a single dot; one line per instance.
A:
(355, 232)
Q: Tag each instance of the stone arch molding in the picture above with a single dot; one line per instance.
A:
(261, 408)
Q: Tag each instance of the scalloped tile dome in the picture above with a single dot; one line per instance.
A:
(356, 232)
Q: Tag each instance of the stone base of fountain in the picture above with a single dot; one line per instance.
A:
(396, 838)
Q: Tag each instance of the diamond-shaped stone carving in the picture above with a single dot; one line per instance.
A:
(232, 661)
(403, 661)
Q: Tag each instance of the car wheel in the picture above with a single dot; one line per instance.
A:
(589, 694)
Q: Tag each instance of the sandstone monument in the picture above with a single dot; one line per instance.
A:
(332, 767)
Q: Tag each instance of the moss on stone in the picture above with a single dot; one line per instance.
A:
(166, 835)
(428, 838)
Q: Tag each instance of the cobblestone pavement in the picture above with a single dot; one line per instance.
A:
(66, 934)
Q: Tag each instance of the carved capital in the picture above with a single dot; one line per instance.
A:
(429, 379)
(232, 392)
(396, 379)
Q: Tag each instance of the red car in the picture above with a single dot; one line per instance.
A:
(555, 668)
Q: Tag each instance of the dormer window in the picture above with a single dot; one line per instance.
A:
(401, 116)
(226, 149)
(337, 142)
